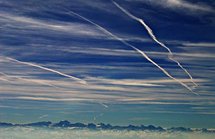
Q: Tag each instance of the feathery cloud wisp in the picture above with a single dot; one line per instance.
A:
(180, 5)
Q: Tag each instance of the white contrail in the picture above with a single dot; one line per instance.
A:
(3, 79)
(138, 50)
(106, 106)
(28, 80)
(48, 69)
(43, 116)
(150, 32)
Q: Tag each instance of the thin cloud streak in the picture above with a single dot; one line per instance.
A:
(43, 116)
(199, 44)
(182, 5)
(152, 82)
(10, 20)
(187, 5)
(51, 99)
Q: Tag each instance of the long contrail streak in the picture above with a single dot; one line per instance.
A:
(133, 47)
(27, 80)
(150, 32)
(48, 69)
(3, 79)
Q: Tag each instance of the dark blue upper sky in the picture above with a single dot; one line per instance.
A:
(72, 59)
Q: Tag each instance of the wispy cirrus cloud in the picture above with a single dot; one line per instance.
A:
(199, 44)
(186, 5)
(180, 5)
(23, 23)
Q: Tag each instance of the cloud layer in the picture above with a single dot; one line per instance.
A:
(46, 41)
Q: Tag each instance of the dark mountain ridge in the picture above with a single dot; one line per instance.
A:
(102, 126)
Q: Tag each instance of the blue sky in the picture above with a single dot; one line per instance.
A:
(57, 65)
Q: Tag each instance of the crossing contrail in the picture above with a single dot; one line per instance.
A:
(150, 32)
(133, 47)
(3, 79)
(48, 69)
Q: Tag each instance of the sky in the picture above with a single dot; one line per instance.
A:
(120, 62)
